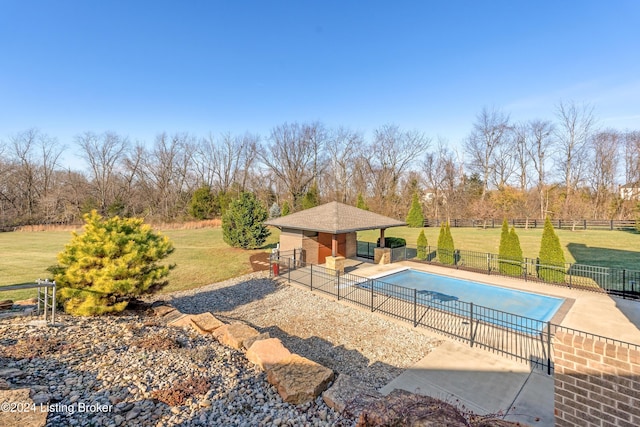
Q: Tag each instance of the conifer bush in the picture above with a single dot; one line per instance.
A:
(243, 223)
(274, 211)
(515, 253)
(111, 262)
(286, 209)
(360, 203)
(510, 251)
(503, 249)
(421, 245)
(414, 217)
(551, 258)
(445, 245)
(202, 202)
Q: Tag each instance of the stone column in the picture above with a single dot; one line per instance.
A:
(382, 256)
(335, 263)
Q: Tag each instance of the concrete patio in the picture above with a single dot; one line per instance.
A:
(489, 383)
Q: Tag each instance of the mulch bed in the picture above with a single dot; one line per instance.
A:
(260, 262)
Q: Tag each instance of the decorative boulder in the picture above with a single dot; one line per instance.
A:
(298, 379)
(268, 352)
(234, 334)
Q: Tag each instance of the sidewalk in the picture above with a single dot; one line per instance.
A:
(482, 382)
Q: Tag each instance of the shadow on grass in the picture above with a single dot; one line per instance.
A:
(615, 258)
(604, 257)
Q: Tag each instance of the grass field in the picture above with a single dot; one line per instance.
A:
(594, 247)
(201, 256)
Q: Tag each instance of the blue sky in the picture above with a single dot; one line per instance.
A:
(142, 67)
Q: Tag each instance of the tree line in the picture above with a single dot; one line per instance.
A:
(564, 168)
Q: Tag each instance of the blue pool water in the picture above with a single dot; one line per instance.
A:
(446, 291)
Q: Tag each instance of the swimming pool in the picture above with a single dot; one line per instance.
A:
(448, 292)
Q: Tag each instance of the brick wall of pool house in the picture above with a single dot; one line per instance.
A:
(597, 383)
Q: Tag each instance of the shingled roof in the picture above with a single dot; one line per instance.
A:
(334, 218)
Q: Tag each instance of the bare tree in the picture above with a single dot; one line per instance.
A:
(165, 173)
(391, 153)
(489, 133)
(344, 148)
(603, 172)
(576, 124)
(35, 156)
(537, 135)
(442, 179)
(294, 154)
(631, 143)
(105, 155)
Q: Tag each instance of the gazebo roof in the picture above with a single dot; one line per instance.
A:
(334, 218)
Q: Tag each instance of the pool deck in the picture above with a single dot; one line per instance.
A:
(487, 383)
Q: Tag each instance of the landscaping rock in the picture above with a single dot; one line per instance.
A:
(234, 334)
(298, 379)
(401, 407)
(267, 352)
(31, 417)
(162, 310)
(205, 322)
(249, 341)
(30, 301)
(4, 384)
(350, 395)
(6, 304)
(9, 373)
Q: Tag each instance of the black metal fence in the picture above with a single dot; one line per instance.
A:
(566, 224)
(523, 338)
(620, 282)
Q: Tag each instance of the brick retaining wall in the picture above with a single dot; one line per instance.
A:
(596, 383)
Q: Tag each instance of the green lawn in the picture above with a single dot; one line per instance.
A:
(201, 257)
(594, 247)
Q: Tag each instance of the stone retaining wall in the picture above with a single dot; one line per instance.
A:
(596, 383)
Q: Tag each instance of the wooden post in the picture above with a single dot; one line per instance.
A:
(382, 237)
(334, 245)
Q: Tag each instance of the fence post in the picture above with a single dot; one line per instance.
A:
(611, 226)
(548, 348)
(338, 275)
(415, 307)
(289, 269)
(371, 295)
(526, 268)
(471, 324)
(624, 284)
(488, 263)
(312, 277)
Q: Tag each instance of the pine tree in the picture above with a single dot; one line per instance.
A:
(286, 209)
(515, 253)
(422, 246)
(445, 245)
(312, 198)
(551, 257)
(361, 204)
(112, 261)
(274, 211)
(242, 223)
(202, 203)
(415, 217)
(503, 249)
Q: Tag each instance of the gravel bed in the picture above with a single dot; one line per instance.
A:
(125, 369)
(345, 339)
(99, 372)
